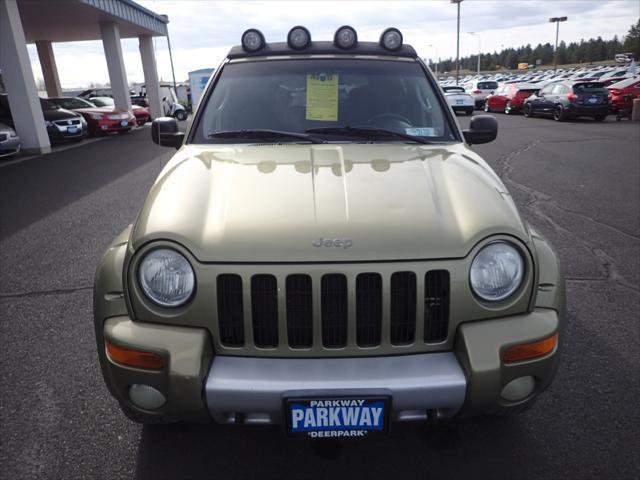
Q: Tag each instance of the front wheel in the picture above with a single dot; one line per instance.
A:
(527, 111)
(181, 115)
(559, 114)
(600, 118)
(486, 107)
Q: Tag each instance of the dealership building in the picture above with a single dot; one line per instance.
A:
(45, 22)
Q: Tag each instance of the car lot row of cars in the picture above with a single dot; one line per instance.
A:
(558, 97)
(72, 119)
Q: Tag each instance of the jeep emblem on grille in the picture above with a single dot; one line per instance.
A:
(333, 242)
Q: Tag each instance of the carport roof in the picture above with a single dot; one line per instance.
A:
(79, 20)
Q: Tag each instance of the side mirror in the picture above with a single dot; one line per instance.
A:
(164, 131)
(482, 129)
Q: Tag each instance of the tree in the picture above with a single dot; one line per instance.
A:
(632, 41)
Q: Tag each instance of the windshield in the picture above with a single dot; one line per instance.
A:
(72, 103)
(102, 101)
(323, 96)
(47, 105)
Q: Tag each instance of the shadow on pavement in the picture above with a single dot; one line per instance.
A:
(480, 447)
(37, 187)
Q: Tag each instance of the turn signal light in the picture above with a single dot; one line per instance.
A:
(529, 351)
(134, 358)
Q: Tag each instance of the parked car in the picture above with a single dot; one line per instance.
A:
(141, 114)
(104, 94)
(62, 125)
(569, 99)
(9, 141)
(330, 263)
(101, 120)
(509, 98)
(458, 99)
(480, 90)
(621, 94)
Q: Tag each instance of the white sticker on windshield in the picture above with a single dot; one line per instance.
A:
(421, 131)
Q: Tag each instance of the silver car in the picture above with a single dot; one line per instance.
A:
(9, 141)
(480, 90)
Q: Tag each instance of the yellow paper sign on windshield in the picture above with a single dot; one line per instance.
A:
(322, 97)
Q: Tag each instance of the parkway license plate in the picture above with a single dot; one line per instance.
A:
(124, 123)
(72, 130)
(459, 102)
(337, 417)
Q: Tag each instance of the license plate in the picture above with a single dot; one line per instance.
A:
(337, 417)
(593, 100)
(124, 123)
(459, 102)
(72, 130)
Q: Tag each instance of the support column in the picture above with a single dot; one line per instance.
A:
(49, 69)
(18, 79)
(115, 65)
(150, 75)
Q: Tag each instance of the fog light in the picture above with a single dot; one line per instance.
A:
(518, 389)
(252, 40)
(146, 397)
(345, 37)
(391, 39)
(299, 38)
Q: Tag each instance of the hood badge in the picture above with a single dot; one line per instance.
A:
(343, 243)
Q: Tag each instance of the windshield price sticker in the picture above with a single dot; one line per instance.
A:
(322, 97)
(337, 417)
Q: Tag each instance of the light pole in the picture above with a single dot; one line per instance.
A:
(457, 41)
(437, 59)
(476, 35)
(557, 21)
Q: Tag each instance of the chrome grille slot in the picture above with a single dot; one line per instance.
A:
(334, 301)
(403, 308)
(436, 306)
(230, 310)
(299, 311)
(368, 309)
(264, 310)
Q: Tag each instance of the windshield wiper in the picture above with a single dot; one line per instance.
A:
(264, 133)
(366, 132)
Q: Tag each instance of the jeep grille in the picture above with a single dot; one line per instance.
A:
(335, 309)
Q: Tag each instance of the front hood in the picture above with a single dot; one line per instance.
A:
(290, 203)
(59, 114)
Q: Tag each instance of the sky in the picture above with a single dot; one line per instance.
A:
(203, 31)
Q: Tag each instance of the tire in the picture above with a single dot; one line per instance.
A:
(181, 115)
(486, 107)
(527, 111)
(508, 108)
(559, 115)
(600, 118)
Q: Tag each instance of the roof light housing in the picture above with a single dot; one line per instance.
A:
(252, 40)
(345, 37)
(391, 39)
(299, 38)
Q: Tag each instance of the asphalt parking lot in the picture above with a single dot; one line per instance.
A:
(577, 182)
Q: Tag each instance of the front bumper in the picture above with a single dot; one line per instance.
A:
(10, 146)
(200, 386)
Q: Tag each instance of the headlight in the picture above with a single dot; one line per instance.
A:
(166, 277)
(496, 272)
(47, 123)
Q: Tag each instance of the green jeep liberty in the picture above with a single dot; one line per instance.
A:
(325, 252)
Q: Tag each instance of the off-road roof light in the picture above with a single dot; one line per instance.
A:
(391, 39)
(252, 40)
(345, 37)
(298, 38)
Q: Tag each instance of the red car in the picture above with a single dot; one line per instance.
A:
(100, 119)
(142, 114)
(621, 94)
(509, 97)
